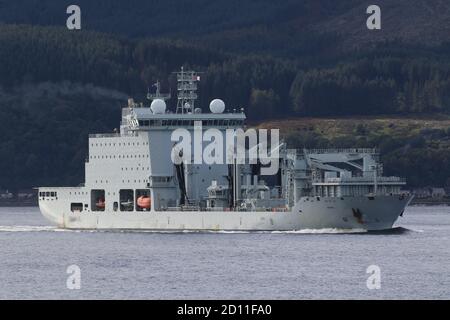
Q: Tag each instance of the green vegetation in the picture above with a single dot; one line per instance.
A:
(418, 149)
(276, 59)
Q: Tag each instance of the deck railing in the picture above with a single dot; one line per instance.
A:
(343, 150)
(104, 135)
(358, 180)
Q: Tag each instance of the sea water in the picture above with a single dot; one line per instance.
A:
(413, 261)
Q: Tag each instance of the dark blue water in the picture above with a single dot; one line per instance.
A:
(414, 261)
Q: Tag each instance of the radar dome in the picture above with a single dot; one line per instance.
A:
(217, 106)
(158, 106)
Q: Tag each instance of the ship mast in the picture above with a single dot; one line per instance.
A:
(158, 94)
(187, 90)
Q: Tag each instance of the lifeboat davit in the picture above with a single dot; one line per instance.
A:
(144, 202)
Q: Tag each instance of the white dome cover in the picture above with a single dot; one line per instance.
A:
(217, 106)
(158, 106)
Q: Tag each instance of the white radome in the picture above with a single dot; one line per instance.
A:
(217, 106)
(158, 106)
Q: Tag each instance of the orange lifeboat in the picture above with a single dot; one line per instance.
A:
(144, 202)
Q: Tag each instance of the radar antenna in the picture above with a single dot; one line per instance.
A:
(187, 90)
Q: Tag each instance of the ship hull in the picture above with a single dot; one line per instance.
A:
(362, 213)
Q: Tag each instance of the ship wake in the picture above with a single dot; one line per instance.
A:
(31, 229)
(393, 231)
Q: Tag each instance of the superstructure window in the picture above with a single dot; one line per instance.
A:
(76, 207)
(143, 201)
(98, 200)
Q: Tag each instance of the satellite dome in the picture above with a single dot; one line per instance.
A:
(217, 106)
(158, 106)
(197, 110)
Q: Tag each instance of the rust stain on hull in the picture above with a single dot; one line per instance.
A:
(358, 215)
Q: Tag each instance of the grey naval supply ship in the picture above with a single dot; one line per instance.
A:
(131, 181)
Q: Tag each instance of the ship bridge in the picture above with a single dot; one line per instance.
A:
(147, 120)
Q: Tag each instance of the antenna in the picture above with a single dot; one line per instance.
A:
(158, 94)
(187, 90)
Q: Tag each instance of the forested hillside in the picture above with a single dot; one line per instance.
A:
(289, 27)
(275, 59)
(389, 79)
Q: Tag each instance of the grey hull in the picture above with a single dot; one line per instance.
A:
(364, 213)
